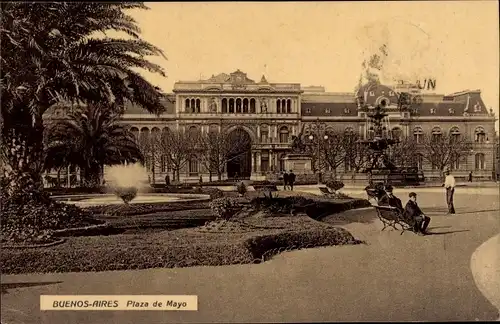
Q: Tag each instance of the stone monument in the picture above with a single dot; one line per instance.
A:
(299, 160)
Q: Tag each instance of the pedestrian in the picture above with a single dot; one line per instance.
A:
(470, 176)
(291, 180)
(167, 180)
(286, 180)
(449, 185)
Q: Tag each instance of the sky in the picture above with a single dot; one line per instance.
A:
(324, 43)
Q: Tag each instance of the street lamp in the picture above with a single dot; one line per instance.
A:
(318, 155)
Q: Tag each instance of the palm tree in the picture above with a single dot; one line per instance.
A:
(59, 53)
(89, 139)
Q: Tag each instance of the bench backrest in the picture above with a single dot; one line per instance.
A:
(324, 190)
(387, 212)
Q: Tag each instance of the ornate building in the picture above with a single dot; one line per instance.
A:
(271, 113)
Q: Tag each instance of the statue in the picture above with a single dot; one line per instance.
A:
(298, 145)
(213, 105)
(263, 105)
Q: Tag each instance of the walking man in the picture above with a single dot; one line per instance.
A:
(291, 179)
(286, 180)
(449, 184)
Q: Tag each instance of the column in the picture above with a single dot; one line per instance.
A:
(258, 162)
(271, 160)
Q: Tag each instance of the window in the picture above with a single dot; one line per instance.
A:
(193, 167)
(245, 106)
(193, 105)
(396, 133)
(187, 105)
(252, 106)
(278, 106)
(455, 134)
(289, 106)
(224, 106)
(347, 111)
(327, 110)
(264, 161)
(433, 111)
(284, 134)
(372, 93)
(477, 107)
(348, 165)
(135, 132)
(479, 135)
(264, 133)
(163, 163)
(198, 106)
(308, 110)
(451, 110)
(231, 106)
(371, 133)
(455, 165)
(436, 134)
(281, 162)
(418, 135)
(238, 106)
(480, 165)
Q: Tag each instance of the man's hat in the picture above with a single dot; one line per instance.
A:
(412, 194)
(388, 188)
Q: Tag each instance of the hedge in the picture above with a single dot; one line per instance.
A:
(128, 252)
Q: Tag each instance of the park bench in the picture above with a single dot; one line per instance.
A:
(266, 188)
(391, 216)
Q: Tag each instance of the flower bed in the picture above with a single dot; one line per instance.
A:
(179, 248)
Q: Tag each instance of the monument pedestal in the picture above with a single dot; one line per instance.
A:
(298, 163)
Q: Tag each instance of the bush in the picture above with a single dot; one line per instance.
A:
(286, 205)
(32, 215)
(241, 188)
(224, 208)
(334, 185)
(127, 194)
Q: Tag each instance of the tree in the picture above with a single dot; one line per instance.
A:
(218, 148)
(357, 154)
(444, 150)
(404, 153)
(90, 138)
(333, 150)
(178, 147)
(53, 53)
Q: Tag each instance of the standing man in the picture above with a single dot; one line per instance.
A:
(286, 180)
(470, 176)
(291, 179)
(449, 184)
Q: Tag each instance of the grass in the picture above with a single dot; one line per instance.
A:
(261, 239)
(192, 238)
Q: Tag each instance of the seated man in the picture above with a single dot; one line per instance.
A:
(390, 200)
(412, 211)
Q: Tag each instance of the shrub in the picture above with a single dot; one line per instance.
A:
(127, 194)
(241, 188)
(224, 208)
(334, 185)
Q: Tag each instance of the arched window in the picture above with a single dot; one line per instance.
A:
(135, 132)
(455, 133)
(252, 106)
(193, 105)
(198, 105)
(238, 106)
(479, 135)
(281, 162)
(231, 106)
(349, 134)
(480, 165)
(155, 136)
(187, 105)
(436, 134)
(396, 133)
(284, 134)
(418, 135)
(245, 106)
(144, 135)
(278, 106)
(224, 106)
(283, 106)
(289, 106)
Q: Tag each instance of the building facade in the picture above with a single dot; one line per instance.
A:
(271, 113)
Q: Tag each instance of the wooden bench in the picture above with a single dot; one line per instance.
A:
(391, 216)
(269, 188)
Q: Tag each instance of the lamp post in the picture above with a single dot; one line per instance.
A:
(318, 155)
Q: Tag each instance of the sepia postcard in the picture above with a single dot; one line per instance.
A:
(249, 162)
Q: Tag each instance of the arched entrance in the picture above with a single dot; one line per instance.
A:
(239, 157)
